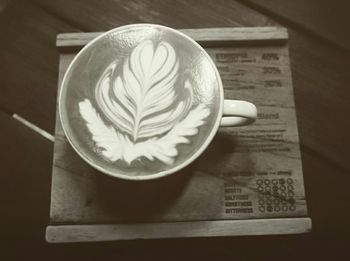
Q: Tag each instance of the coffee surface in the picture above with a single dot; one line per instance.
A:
(140, 100)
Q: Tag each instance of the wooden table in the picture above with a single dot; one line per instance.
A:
(319, 51)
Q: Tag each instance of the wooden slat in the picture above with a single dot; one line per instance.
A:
(91, 233)
(327, 19)
(220, 35)
(204, 35)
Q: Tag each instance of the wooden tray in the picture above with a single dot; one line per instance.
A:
(248, 182)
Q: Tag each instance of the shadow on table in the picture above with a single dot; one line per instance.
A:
(134, 201)
(141, 201)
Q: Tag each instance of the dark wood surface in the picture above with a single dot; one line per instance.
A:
(29, 65)
(323, 19)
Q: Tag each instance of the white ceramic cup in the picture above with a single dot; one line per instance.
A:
(143, 101)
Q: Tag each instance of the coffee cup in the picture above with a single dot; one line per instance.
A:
(143, 101)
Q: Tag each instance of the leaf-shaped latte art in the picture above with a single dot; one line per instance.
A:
(142, 103)
(116, 146)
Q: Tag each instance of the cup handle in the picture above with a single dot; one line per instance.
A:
(238, 113)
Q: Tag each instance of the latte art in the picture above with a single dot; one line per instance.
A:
(149, 110)
(141, 101)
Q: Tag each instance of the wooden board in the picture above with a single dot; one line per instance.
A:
(249, 172)
(88, 233)
(207, 37)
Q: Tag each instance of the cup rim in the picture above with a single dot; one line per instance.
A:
(163, 173)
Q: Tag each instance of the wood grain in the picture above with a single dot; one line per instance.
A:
(101, 16)
(29, 62)
(321, 78)
(327, 20)
(204, 36)
(93, 233)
